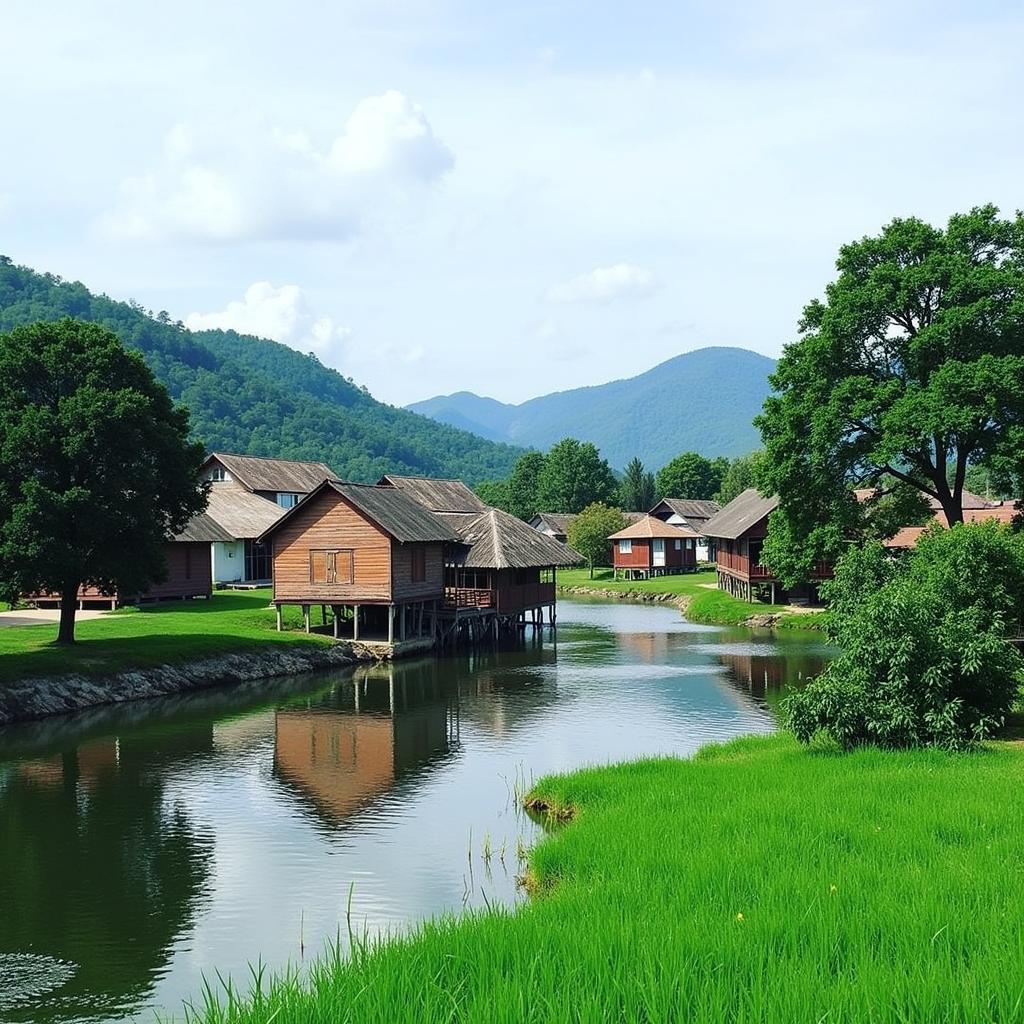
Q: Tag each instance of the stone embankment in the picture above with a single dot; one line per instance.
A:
(58, 695)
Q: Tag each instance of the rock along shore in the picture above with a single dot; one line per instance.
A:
(57, 695)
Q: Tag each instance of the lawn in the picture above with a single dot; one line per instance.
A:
(156, 634)
(705, 603)
(758, 882)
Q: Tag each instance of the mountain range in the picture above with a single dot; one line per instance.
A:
(258, 397)
(702, 401)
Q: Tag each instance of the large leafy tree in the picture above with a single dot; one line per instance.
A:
(637, 489)
(912, 366)
(523, 486)
(590, 530)
(691, 475)
(740, 474)
(573, 476)
(96, 468)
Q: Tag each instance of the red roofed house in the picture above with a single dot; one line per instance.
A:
(650, 547)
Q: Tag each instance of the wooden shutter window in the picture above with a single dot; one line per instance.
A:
(318, 567)
(334, 566)
(343, 565)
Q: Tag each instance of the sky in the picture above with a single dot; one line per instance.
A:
(512, 198)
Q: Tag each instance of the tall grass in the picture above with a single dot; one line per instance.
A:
(758, 882)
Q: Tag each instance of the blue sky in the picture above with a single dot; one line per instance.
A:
(509, 199)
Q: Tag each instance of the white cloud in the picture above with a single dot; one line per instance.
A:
(282, 314)
(255, 183)
(606, 284)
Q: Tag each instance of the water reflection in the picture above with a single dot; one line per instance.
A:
(149, 844)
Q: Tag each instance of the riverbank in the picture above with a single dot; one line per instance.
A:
(695, 594)
(757, 882)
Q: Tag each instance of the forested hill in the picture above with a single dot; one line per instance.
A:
(702, 401)
(258, 397)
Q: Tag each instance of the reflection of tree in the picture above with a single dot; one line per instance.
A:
(97, 868)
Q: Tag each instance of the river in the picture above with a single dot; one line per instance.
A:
(147, 846)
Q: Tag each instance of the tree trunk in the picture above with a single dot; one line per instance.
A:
(953, 511)
(591, 568)
(68, 607)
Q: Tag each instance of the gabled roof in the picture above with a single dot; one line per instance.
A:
(389, 508)
(202, 529)
(496, 540)
(243, 516)
(743, 512)
(437, 495)
(560, 522)
(259, 474)
(689, 508)
(650, 527)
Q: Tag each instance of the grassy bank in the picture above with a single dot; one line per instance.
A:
(157, 634)
(758, 882)
(704, 601)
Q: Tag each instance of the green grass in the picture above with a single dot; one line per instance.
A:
(758, 882)
(704, 603)
(157, 634)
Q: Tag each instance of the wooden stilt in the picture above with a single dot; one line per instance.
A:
(336, 616)
(355, 622)
(391, 623)
(280, 619)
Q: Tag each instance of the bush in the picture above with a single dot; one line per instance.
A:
(924, 658)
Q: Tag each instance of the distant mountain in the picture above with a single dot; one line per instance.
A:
(258, 397)
(702, 401)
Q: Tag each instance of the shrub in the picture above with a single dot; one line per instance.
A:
(924, 658)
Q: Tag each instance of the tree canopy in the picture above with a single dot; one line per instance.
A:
(912, 365)
(691, 475)
(637, 490)
(523, 486)
(590, 530)
(96, 469)
(740, 474)
(573, 476)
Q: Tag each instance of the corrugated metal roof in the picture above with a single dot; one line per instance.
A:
(259, 474)
(689, 508)
(201, 529)
(395, 512)
(435, 494)
(743, 512)
(242, 515)
(496, 540)
(651, 527)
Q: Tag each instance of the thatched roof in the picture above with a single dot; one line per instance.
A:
(243, 516)
(390, 509)
(689, 509)
(743, 512)
(496, 540)
(649, 527)
(202, 529)
(259, 474)
(437, 495)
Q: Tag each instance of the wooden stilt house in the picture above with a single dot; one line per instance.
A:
(651, 547)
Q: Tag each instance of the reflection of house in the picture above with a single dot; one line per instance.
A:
(759, 674)
(188, 570)
(738, 533)
(651, 547)
(247, 496)
(556, 524)
(691, 513)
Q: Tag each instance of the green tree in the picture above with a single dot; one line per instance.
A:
(573, 476)
(96, 469)
(691, 475)
(637, 490)
(495, 493)
(523, 485)
(740, 474)
(914, 361)
(924, 658)
(590, 530)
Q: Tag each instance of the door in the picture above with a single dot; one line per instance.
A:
(659, 551)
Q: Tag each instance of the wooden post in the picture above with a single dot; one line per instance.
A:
(355, 622)
(323, 615)
(280, 623)
(305, 616)
(401, 623)
(336, 612)
(391, 624)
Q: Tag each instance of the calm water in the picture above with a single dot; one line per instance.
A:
(144, 846)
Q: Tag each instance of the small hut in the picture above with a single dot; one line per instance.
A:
(651, 547)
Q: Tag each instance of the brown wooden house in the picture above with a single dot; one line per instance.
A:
(651, 547)
(371, 554)
(738, 534)
(690, 512)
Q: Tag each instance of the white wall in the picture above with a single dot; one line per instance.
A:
(228, 562)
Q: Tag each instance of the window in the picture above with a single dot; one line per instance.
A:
(287, 500)
(331, 566)
(689, 544)
(625, 547)
(678, 545)
(419, 563)
(257, 561)
(219, 473)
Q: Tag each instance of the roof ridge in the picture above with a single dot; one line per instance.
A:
(499, 550)
(269, 458)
